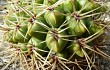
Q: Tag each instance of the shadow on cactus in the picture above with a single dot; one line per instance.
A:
(54, 34)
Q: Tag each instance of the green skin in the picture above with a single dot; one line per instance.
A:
(22, 14)
(93, 27)
(40, 1)
(23, 47)
(101, 9)
(67, 6)
(9, 37)
(56, 45)
(18, 37)
(49, 2)
(52, 17)
(42, 46)
(63, 54)
(12, 17)
(76, 29)
(24, 3)
(9, 18)
(90, 5)
(75, 47)
(36, 27)
(33, 27)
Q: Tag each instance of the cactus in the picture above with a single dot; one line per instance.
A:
(53, 31)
